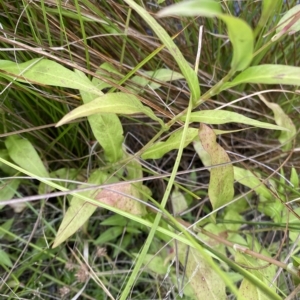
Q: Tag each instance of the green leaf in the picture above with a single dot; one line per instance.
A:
(178, 201)
(159, 149)
(106, 128)
(221, 181)
(224, 117)
(283, 120)
(4, 167)
(253, 181)
(242, 39)
(154, 263)
(23, 154)
(134, 169)
(234, 217)
(218, 230)
(205, 282)
(267, 74)
(8, 189)
(47, 72)
(205, 8)
(274, 209)
(269, 8)
(64, 173)
(239, 32)
(150, 77)
(289, 23)
(186, 70)
(79, 211)
(115, 220)
(119, 103)
(6, 227)
(123, 196)
(294, 178)
(259, 269)
(292, 220)
(109, 235)
(109, 72)
(5, 259)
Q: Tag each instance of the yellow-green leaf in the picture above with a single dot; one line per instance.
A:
(159, 149)
(47, 72)
(267, 74)
(239, 32)
(8, 189)
(205, 8)
(259, 269)
(119, 103)
(224, 117)
(79, 211)
(282, 120)
(242, 39)
(205, 282)
(106, 127)
(253, 181)
(23, 154)
(221, 181)
(160, 75)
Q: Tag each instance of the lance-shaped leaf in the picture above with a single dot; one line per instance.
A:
(150, 77)
(119, 103)
(205, 8)
(205, 282)
(23, 154)
(47, 72)
(159, 149)
(79, 211)
(189, 74)
(106, 128)
(221, 181)
(253, 181)
(224, 117)
(283, 120)
(267, 74)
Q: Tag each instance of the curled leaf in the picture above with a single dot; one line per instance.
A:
(282, 120)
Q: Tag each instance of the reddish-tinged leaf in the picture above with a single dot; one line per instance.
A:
(122, 197)
(79, 211)
(220, 188)
(206, 284)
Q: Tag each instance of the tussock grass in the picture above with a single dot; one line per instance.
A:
(97, 261)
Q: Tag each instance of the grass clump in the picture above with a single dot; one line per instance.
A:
(149, 150)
